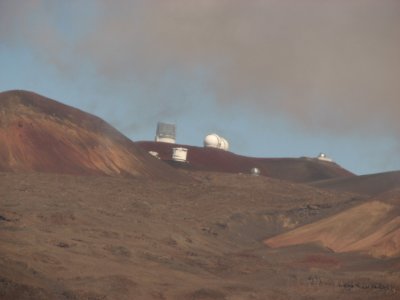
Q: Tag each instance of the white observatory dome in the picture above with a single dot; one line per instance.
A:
(215, 141)
(324, 157)
(212, 140)
(224, 144)
(255, 171)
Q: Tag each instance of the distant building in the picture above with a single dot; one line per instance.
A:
(255, 171)
(215, 141)
(155, 154)
(166, 133)
(324, 157)
(179, 154)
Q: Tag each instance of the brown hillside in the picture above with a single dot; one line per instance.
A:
(210, 159)
(373, 228)
(40, 134)
(66, 237)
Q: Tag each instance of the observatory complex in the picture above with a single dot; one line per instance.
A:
(214, 155)
(166, 133)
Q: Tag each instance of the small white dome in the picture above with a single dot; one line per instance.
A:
(212, 140)
(255, 171)
(324, 157)
(215, 141)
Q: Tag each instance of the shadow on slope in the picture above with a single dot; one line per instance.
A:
(371, 185)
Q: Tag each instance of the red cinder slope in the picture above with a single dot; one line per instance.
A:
(210, 159)
(40, 134)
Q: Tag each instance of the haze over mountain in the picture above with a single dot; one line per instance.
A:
(293, 77)
(87, 214)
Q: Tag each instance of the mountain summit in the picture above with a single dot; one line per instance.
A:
(40, 134)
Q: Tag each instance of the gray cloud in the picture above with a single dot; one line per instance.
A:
(331, 65)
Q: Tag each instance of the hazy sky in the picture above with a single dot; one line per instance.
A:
(275, 77)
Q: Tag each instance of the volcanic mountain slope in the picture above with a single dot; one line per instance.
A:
(40, 134)
(210, 159)
(373, 228)
(66, 237)
(372, 184)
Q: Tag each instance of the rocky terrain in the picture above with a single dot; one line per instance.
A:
(74, 237)
(121, 224)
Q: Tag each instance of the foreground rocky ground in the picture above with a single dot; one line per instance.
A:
(98, 237)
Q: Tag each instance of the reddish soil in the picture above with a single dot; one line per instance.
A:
(156, 232)
(40, 134)
(211, 159)
(73, 237)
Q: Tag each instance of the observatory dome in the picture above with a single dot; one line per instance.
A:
(215, 141)
(324, 157)
(224, 144)
(255, 171)
(212, 140)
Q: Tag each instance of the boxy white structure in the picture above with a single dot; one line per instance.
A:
(179, 154)
(166, 133)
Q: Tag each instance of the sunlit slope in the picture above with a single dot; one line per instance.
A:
(40, 134)
(373, 228)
